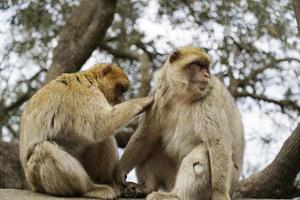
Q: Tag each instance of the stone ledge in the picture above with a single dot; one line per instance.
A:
(13, 194)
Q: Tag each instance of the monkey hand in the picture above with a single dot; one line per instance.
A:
(142, 103)
(134, 190)
(119, 177)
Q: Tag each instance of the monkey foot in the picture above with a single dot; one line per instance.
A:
(133, 190)
(162, 196)
(102, 192)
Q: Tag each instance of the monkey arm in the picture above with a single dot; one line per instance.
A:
(140, 146)
(219, 149)
(120, 114)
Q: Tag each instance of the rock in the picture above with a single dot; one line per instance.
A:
(13, 194)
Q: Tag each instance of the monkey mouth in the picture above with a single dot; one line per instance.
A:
(202, 85)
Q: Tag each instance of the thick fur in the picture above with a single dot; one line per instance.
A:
(193, 135)
(67, 127)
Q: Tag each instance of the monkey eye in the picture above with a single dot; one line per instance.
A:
(201, 65)
(121, 88)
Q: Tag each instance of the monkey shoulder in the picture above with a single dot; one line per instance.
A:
(66, 92)
(56, 107)
(223, 113)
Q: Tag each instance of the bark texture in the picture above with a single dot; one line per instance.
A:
(297, 13)
(11, 173)
(11, 194)
(277, 179)
(145, 79)
(81, 35)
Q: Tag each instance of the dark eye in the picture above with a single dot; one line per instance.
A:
(201, 65)
(121, 88)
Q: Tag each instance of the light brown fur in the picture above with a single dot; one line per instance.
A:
(191, 141)
(66, 137)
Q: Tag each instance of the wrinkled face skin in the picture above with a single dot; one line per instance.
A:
(189, 72)
(199, 77)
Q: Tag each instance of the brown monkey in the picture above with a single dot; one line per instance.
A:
(67, 127)
(191, 141)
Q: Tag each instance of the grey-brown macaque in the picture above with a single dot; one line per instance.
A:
(67, 146)
(190, 143)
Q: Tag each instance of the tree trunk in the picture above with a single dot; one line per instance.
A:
(277, 179)
(145, 80)
(11, 172)
(297, 13)
(81, 35)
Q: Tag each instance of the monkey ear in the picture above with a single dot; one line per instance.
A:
(105, 70)
(174, 56)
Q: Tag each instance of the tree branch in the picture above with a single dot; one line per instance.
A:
(80, 36)
(120, 53)
(24, 97)
(282, 103)
(255, 72)
(145, 75)
(277, 179)
(12, 130)
(297, 13)
(18, 102)
(193, 13)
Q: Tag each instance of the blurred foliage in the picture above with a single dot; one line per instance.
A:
(241, 36)
(34, 24)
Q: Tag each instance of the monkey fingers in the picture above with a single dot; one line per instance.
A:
(134, 190)
(119, 177)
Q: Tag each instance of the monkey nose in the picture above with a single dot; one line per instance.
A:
(206, 75)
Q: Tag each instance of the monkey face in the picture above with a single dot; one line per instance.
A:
(119, 89)
(198, 78)
(119, 85)
(113, 82)
(189, 69)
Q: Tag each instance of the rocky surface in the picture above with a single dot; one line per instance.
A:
(13, 194)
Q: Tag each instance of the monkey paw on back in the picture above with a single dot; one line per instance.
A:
(141, 104)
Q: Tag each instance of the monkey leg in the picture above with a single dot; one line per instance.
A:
(193, 178)
(100, 159)
(157, 171)
(102, 192)
(54, 171)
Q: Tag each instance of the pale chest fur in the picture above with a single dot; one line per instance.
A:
(178, 119)
(181, 124)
